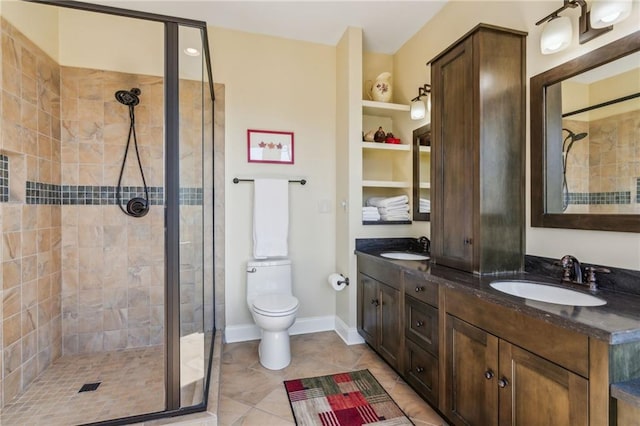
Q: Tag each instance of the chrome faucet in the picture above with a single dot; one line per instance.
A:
(572, 271)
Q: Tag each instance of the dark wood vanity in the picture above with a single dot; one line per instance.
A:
(485, 358)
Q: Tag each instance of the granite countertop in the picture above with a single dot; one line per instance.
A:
(617, 322)
(628, 392)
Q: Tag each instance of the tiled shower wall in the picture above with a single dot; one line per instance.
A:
(113, 264)
(30, 289)
(603, 169)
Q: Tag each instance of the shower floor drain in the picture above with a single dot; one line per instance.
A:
(88, 387)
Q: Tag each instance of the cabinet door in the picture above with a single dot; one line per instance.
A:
(537, 392)
(471, 382)
(368, 302)
(390, 324)
(453, 174)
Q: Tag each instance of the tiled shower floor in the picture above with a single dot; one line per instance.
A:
(132, 382)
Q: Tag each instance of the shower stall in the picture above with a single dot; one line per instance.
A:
(107, 214)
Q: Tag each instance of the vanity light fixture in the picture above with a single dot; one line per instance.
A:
(556, 36)
(557, 32)
(605, 13)
(418, 108)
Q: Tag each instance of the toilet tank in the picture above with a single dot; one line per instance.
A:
(268, 276)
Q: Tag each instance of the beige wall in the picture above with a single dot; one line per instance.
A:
(456, 18)
(278, 84)
(37, 23)
(111, 43)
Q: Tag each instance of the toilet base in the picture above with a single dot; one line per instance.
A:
(274, 350)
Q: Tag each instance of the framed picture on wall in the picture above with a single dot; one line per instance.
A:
(268, 146)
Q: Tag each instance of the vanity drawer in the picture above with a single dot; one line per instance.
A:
(421, 371)
(421, 324)
(417, 286)
(381, 271)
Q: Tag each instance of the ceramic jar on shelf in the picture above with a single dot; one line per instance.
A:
(381, 89)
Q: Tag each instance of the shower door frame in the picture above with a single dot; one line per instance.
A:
(171, 204)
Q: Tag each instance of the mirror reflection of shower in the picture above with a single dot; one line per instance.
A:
(136, 206)
(571, 138)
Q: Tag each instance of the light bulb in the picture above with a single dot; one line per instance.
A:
(191, 51)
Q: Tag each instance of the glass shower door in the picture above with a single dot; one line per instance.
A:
(195, 151)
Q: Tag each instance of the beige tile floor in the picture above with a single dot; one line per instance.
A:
(132, 383)
(248, 394)
(252, 395)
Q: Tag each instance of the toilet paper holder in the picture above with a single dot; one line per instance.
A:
(345, 281)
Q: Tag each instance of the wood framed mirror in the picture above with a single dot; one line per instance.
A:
(585, 141)
(422, 173)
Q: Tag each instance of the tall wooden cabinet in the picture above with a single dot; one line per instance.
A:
(478, 152)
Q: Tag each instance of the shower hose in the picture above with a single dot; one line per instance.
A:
(136, 207)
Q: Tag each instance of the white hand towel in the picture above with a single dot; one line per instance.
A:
(270, 218)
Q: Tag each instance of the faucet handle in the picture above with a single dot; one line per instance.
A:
(424, 244)
(567, 263)
(591, 275)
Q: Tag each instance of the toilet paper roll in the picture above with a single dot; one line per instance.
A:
(333, 282)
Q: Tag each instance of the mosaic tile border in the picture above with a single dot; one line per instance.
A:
(4, 178)
(622, 197)
(52, 194)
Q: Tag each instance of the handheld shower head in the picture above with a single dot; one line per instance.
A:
(573, 137)
(128, 97)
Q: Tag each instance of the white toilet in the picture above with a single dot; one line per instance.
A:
(273, 308)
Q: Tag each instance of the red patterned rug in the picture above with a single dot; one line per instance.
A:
(345, 399)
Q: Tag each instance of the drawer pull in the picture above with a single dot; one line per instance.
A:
(488, 374)
(503, 383)
(375, 302)
(419, 288)
(419, 369)
(419, 323)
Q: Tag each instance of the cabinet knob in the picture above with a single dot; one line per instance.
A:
(375, 302)
(468, 241)
(503, 383)
(488, 374)
(419, 289)
(419, 323)
(419, 369)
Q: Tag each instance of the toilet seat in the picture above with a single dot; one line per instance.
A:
(275, 305)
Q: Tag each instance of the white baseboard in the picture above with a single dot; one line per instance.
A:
(246, 332)
(348, 334)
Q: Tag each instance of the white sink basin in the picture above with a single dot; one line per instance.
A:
(401, 255)
(547, 293)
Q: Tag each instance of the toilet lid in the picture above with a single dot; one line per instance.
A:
(275, 303)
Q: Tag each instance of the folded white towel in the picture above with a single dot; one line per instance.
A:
(368, 214)
(386, 202)
(270, 218)
(400, 208)
(395, 216)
